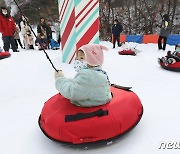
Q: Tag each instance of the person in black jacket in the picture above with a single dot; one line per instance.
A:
(116, 30)
(43, 33)
(165, 31)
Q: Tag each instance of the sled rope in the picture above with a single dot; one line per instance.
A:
(47, 56)
(136, 46)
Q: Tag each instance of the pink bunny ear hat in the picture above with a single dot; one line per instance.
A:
(94, 54)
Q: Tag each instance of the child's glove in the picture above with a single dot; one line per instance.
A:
(58, 74)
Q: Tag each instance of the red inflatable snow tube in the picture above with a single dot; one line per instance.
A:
(80, 127)
(172, 67)
(4, 55)
(127, 52)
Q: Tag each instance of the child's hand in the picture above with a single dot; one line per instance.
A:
(58, 74)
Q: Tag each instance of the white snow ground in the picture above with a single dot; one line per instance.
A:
(27, 81)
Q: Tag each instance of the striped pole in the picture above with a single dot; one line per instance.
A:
(79, 25)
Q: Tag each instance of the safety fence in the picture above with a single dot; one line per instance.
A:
(152, 38)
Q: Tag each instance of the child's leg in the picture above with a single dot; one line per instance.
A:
(114, 41)
(26, 42)
(16, 42)
(171, 61)
(164, 60)
(13, 44)
(19, 41)
(118, 41)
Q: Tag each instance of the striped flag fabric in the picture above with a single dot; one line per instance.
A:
(79, 25)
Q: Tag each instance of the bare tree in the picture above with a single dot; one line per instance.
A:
(140, 16)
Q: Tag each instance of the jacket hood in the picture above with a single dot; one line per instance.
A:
(5, 8)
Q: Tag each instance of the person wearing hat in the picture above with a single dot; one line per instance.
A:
(116, 31)
(17, 37)
(27, 33)
(7, 28)
(44, 34)
(164, 32)
(91, 86)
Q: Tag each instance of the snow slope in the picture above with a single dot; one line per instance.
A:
(27, 81)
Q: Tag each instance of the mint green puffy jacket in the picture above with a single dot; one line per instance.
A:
(88, 88)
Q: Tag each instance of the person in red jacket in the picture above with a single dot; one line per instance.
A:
(7, 28)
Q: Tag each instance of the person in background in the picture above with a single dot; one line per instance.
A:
(116, 30)
(49, 34)
(57, 30)
(17, 37)
(42, 34)
(7, 28)
(164, 32)
(27, 33)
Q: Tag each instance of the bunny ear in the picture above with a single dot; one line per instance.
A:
(103, 47)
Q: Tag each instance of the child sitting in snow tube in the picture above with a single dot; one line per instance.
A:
(84, 114)
(91, 85)
(89, 127)
(128, 50)
(172, 60)
(4, 54)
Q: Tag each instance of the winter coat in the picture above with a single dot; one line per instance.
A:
(89, 87)
(27, 35)
(54, 44)
(165, 31)
(43, 31)
(25, 29)
(176, 53)
(7, 25)
(117, 29)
